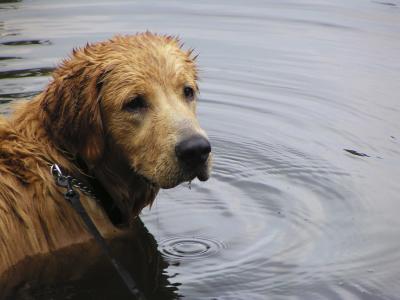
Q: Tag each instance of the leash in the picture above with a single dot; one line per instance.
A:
(72, 196)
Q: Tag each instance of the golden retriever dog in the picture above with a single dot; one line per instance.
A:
(119, 116)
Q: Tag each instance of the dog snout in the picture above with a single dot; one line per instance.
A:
(193, 151)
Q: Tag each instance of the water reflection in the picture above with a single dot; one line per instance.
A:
(34, 72)
(9, 57)
(82, 272)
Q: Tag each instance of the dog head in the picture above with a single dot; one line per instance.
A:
(135, 97)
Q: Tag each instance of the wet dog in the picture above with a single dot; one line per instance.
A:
(119, 116)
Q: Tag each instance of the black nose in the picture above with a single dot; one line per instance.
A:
(194, 150)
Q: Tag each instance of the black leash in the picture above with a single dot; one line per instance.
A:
(73, 197)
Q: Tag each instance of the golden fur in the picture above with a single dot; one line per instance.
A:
(82, 115)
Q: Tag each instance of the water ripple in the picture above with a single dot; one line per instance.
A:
(34, 72)
(26, 42)
(189, 248)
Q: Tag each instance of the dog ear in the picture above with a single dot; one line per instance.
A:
(73, 113)
(92, 146)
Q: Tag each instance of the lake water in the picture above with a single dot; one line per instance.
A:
(301, 100)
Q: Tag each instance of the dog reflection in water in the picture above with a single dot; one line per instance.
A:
(81, 272)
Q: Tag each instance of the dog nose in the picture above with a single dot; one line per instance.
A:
(194, 150)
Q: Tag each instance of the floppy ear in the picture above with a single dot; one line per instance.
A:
(73, 113)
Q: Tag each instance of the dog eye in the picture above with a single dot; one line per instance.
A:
(188, 92)
(137, 104)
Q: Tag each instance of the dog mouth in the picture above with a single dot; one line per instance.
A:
(183, 173)
(149, 182)
(201, 173)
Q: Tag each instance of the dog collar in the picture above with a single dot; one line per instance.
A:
(69, 182)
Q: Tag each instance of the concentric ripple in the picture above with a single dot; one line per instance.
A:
(189, 248)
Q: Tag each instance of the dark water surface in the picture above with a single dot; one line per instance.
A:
(301, 100)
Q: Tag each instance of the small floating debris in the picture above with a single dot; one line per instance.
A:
(386, 3)
(354, 152)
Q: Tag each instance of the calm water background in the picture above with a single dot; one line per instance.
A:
(286, 87)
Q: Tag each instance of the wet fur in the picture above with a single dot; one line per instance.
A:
(80, 115)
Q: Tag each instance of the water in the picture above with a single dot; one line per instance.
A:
(286, 86)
